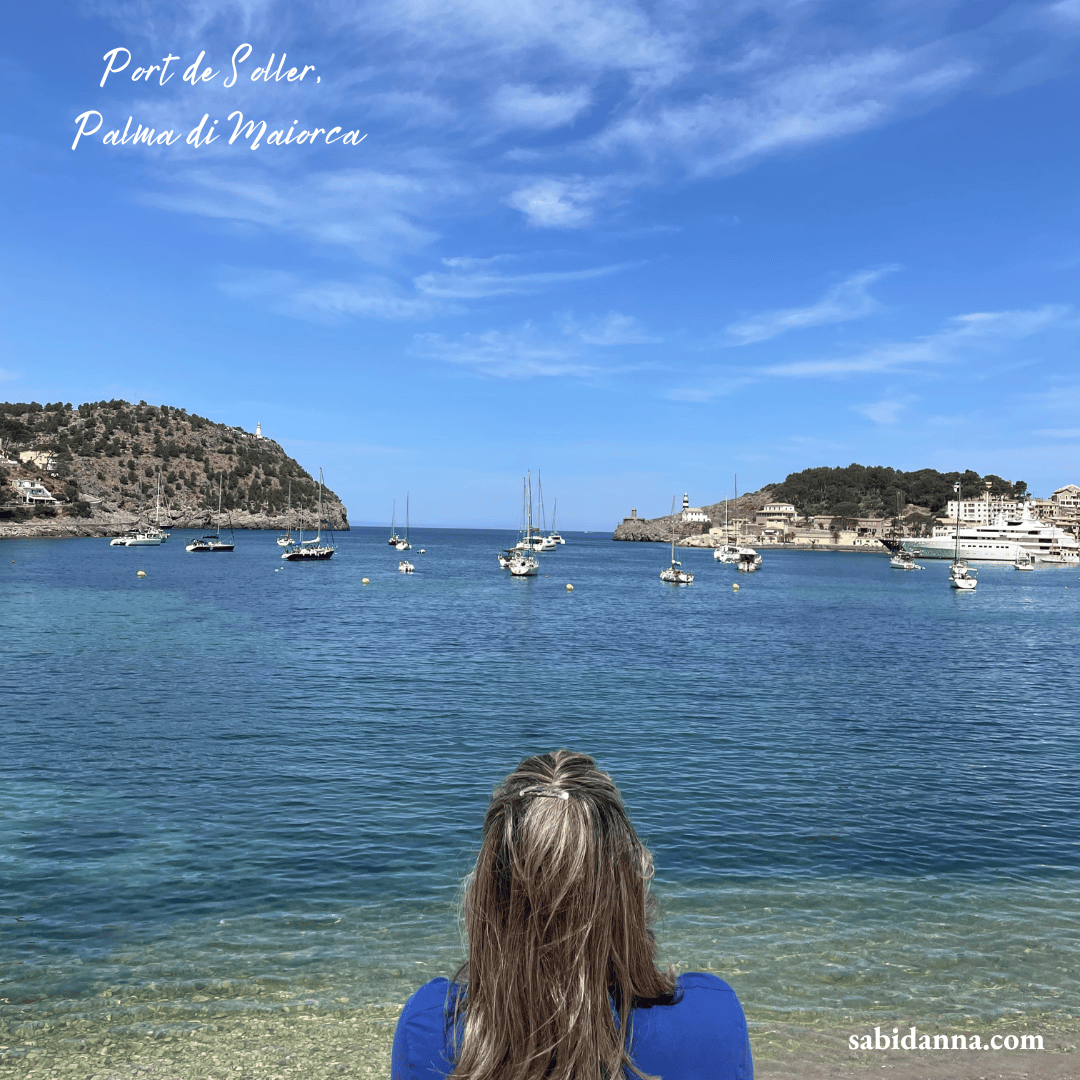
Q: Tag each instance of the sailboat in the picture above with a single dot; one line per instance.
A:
(403, 542)
(542, 542)
(521, 563)
(742, 556)
(675, 574)
(212, 541)
(312, 550)
(961, 576)
(286, 540)
(394, 538)
(554, 536)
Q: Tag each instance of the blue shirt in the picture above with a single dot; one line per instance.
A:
(701, 1037)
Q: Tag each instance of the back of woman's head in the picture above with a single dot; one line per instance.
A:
(558, 915)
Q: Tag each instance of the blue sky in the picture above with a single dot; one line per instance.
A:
(639, 247)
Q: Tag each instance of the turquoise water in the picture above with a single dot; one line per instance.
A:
(240, 784)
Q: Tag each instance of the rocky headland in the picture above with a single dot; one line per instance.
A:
(100, 466)
(689, 533)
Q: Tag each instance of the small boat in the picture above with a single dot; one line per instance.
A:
(313, 550)
(522, 565)
(748, 561)
(961, 576)
(213, 541)
(1024, 561)
(118, 541)
(394, 538)
(286, 540)
(419, 551)
(520, 560)
(903, 560)
(675, 574)
(405, 567)
(402, 543)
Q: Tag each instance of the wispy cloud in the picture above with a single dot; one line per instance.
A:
(1059, 433)
(843, 302)
(369, 296)
(529, 107)
(785, 106)
(555, 203)
(470, 279)
(518, 354)
(579, 349)
(886, 411)
(978, 330)
(608, 330)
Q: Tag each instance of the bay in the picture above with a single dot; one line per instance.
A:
(239, 784)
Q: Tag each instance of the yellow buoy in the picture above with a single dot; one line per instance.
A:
(365, 581)
(569, 588)
(735, 587)
(141, 573)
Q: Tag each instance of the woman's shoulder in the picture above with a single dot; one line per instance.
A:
(703, 984)
(420, 1040)
(431, 995)
(703, 1033)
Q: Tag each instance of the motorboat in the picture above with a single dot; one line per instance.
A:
(1024, 561)
(748, 561)
(405, 567)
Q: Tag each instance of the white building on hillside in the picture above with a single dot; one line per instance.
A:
(34, 493)
(693, 513)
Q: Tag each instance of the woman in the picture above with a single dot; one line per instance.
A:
(561, 981)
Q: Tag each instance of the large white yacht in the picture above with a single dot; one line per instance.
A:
(1003, 541)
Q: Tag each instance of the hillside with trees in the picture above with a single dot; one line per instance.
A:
(873, 491)
(101, 462)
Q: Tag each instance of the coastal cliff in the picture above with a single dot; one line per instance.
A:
(689, 533)
(93, 471)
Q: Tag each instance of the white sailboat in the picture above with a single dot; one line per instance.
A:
(554, 536)
(212, 541)
(286, 540)
(675, 574)
(521, 563)
(403, 542)
(961, 576)
(312, 550)
(394, 538)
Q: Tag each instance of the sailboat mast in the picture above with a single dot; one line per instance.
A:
(956, 547)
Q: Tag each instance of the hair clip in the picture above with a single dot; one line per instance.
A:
(546, 793)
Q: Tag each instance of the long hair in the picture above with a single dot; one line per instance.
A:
(558, 918)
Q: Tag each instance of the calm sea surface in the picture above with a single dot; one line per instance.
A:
(242, 784)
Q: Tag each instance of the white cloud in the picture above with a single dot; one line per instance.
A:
(551, 203)
(1060, 433)
(470, 279)
(6, 375)
(328, 301)
(978, 330)
(519, 354)
(787, 106)
(368, 211)
(528, 352)
(843, 302)
(608, 330)
(528, 107)
(886, 411)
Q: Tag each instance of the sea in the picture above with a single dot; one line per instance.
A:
(239, 785)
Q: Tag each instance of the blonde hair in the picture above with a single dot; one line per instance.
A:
(558, 918)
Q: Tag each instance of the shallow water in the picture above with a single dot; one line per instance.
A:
(240, 784)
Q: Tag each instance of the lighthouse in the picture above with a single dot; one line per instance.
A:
(258, 430)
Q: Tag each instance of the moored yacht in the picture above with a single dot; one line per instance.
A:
(1001, 542)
